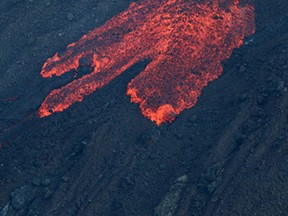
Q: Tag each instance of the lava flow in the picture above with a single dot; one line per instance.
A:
(185, 42)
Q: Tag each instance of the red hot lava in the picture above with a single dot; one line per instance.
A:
(185, 41)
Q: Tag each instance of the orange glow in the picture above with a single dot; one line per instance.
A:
(185, 41)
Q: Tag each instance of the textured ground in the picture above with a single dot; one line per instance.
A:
(226, 156)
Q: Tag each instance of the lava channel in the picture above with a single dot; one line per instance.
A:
(185, 41)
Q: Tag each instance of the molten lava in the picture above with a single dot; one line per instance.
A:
(185, 41)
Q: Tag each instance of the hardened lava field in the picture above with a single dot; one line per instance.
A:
(185, 42)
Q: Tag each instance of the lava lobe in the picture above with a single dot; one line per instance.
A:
(185, 41)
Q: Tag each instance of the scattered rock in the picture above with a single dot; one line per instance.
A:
(152, 156)
(212, 177)
(243, 97)
(70, 16)
(22, 196)
(129, 180)
(65, 178)
(7, 210)
(78, 149)
(36, 182)
(46, 182)
(251, 125)
(4, 210)
(281, 85)
(47, 3)
(242, 68)
(31, 40)
(212, 186)
(48, 193)
(214, 199)
(35, 207)
(269, 79)
(84, 142)
(169, 203)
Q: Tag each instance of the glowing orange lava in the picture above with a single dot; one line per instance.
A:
(185, 41)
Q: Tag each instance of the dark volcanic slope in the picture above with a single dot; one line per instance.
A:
(226, 156)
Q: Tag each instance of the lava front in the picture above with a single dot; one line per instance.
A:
(185, 42)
